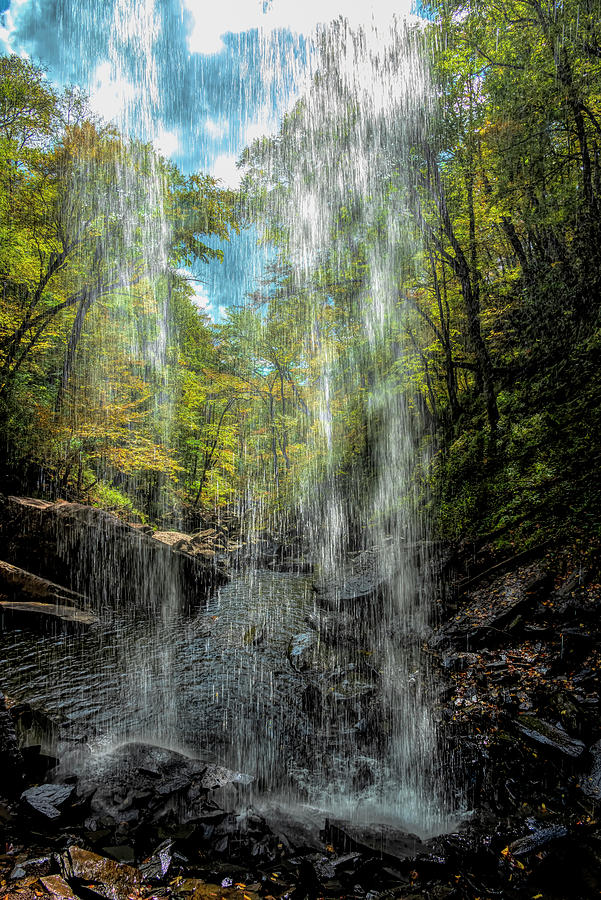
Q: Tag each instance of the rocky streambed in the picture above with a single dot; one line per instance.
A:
(260, 682)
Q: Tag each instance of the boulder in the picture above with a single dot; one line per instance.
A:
(46, 800)
(18, 584)
(549, 736)
(100, 876)
(116, 561)
(45, 616)
(140, 784)
(57, 887)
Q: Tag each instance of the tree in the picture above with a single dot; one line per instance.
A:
(97, 228)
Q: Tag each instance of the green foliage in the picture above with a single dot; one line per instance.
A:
(94, 229)
(110, 498)
(493, 344)
(499, 305)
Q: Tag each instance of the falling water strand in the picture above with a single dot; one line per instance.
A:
(200, 683)
(356, 124)
(132, 324)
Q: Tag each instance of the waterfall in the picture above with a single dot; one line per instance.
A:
(352, 731)
(330, 166)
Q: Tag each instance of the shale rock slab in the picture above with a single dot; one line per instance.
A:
(116, 562)
(99, 875)
(139, 784)
(47, 799)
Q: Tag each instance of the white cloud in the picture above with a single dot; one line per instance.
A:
(224, 167)
(110, 97)
(166, 142)
(7, 28)
(259, 128)
(201, 298)
(5, 44)
(213, 21)
(215, 129)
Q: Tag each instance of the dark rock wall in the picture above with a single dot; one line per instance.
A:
(91, 551)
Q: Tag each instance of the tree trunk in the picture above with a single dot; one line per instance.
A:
(74, 337)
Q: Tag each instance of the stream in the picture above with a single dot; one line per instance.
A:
(216, 683)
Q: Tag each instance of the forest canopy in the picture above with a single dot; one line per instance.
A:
(116, 388)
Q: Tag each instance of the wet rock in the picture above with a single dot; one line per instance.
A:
(351, 592)
(139, 783)
(568, 597)
(351, 683)
(45, 616)
(47, 799)
(19, 585)
(471, 850)
(295, 564)
(214, 777)
(156, 866)
(367, 576)
(495, 612)
(57, 887)
(253, 636)
(11, 758)
(115, 561)
(461, 662)
(263, 553)
(590, 784)
(301, 650)
(540, 837)
(100, 876)
(382, 840)
(297, 828)
(229, 797)
(318, 873)
(550, 736)
(336, 629)
(135, 782)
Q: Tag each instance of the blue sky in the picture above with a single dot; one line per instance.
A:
(201, 78)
